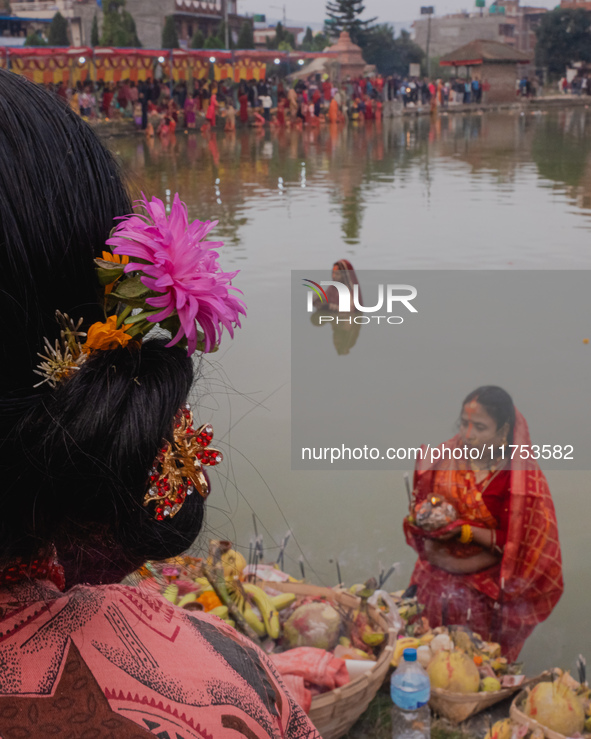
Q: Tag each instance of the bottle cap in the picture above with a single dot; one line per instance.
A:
(410, 655)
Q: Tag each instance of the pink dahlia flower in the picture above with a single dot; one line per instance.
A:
(183, 267)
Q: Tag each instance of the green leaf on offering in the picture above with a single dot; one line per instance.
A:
(111, 304)
(129, 302)
(139, 329)
(171, 324)
(108, 272)
(143, 316)
(129, 289)
(104, 264)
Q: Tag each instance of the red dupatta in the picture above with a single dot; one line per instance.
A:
(528, 583)
(342, 271)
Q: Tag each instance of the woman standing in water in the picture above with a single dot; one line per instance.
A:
(497, 568)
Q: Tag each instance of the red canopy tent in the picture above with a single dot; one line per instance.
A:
(72, 64)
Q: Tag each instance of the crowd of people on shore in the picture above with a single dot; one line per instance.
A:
(160, 107)
(579, 85)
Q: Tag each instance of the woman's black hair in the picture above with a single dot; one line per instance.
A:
(75, 460)
(498, 404)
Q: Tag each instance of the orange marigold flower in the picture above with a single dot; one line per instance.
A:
(209, 600)
(116, 259)
(104, 336)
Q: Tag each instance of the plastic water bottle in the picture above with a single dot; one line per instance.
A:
(410, 689)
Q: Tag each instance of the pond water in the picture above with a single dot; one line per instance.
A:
(491, 191)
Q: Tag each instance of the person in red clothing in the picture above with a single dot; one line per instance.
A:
(107, 101)
(379, 85)
(327, 90)
(316, 101)
(281, 112)
(497, 568)
(379, 111)
(243, 102)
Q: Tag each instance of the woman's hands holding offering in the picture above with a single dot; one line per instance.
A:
(446, 533)
(437, 554)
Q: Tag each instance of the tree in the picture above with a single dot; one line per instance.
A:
(213, 42)
(308, 42)
(35, 39)
(94, 32)
(118, 25)
(344, 16)
(390, 55)
(5, 6)
(563, 37)
(246, 36)
(321, 41)
(58, 31)
(282, 38)
(170, 38)
(198, 40)
(221, 34)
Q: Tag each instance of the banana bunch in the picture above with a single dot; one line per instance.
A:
(406, 642)
(245, 594)
(171, 593)
(370, 637)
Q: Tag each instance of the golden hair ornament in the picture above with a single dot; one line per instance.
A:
(178, 468)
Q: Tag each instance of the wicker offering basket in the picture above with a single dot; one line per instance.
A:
(458, 707)
(334, 713)
(519, 717)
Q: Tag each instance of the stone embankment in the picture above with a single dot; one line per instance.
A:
(550, 102)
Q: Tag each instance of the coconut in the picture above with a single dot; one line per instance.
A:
(490, 685)
(424, 655)
(555, 706)
(501, 730)
(440, 642)
(313, 625)
(454, 671)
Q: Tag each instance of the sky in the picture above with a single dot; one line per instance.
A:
(387, 10)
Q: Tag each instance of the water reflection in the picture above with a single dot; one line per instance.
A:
(344, 331)
(220, 174)
(337, 305)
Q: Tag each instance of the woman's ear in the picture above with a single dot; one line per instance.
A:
(503, 432)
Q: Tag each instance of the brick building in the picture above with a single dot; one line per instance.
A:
(568, 4)
(497, 65)
(149, 16)
(505, 21)
(262, 35)
(79, 14)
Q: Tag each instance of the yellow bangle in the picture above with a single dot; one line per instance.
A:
(467, 534)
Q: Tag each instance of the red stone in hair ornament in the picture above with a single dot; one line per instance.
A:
(178, 468)
(38, 569)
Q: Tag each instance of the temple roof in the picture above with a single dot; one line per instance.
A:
(482, 51)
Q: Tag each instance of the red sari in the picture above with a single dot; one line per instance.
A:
(212, 111)
(503, 603)
(342, 271)
(243, 100)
